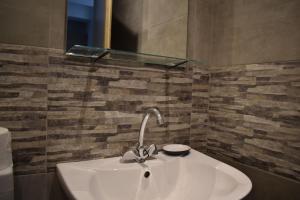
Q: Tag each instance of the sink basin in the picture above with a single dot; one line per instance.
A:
(193, 177)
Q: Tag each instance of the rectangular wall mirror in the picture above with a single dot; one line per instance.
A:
(146, 26)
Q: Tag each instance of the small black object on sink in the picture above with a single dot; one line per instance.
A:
(146, 174)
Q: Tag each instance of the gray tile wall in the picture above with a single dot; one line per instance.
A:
(61, 109)
(23, 105)
(254, 115)
(200, 102)
(95, 110)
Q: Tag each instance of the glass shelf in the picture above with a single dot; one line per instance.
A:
(87, 52)
(111, 54)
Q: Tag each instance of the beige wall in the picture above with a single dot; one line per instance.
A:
(244, 31)
(33, 22)
(251, 31)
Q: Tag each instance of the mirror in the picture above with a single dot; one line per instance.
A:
(154, 27)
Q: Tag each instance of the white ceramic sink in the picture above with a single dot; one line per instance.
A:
(193, 177)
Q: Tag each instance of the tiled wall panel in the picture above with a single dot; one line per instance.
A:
(61, 110)
(254, 115)
(199, 115)
(95, 110)
(23, 104)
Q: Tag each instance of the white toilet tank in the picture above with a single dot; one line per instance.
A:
(6, 166)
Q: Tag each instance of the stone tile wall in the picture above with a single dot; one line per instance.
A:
(23, 104)
(95, 110)
(200, 101)
(61, 110)
(254, 116)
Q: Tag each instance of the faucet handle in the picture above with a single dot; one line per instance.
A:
(129, 155)
(145, 152)
(152, 150)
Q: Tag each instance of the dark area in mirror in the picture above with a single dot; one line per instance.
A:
(85, 22)
(126, 25)
(122, 37)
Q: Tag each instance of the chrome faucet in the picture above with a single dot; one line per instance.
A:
(141, 152)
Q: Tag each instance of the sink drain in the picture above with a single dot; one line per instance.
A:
(146, 174)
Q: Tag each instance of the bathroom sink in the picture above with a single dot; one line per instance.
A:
(192, 177)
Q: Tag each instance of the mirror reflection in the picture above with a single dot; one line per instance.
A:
(153, 27)
(85, 23)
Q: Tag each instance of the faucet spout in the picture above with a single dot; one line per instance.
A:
(160, 121)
